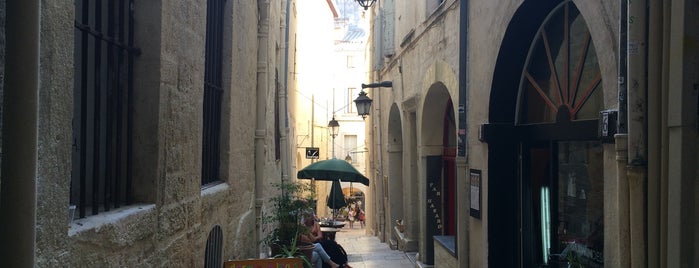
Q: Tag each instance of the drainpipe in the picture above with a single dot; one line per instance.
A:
(655, 129)
(380, 179)
(620, 237)
(664, 134)
(260, 128)
(284, 122)
(637, 54)
(19, 134)
(464, 184)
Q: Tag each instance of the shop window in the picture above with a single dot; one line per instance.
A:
(562, 180)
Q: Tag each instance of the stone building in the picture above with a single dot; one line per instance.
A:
(532, 133)
(141, 133)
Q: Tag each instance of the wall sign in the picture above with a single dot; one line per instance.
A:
(475, 176)
(312, 152)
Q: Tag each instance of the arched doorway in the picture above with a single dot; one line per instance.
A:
(545, 158)
(439, 143)
(396, 190)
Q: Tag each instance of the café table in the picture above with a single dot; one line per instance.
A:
(329, 232)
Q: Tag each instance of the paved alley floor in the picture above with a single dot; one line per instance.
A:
(366, 251)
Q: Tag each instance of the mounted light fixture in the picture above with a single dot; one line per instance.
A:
(366, 3)
(334, 127)
(363, 102)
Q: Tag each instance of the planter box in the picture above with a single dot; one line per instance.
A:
(266, 263)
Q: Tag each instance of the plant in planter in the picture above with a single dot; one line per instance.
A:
(285, 217)
(297, 250)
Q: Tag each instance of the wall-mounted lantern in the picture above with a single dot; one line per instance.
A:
(365, 3)
(363, 102)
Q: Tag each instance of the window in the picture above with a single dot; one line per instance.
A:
(350, 62)
(562, 74)
(384, 28)
(214, 248)
(563, 181)
(351, 147)
(102, 110)
(213, 92)
(351, 95)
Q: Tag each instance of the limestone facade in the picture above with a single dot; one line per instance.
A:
(172, 213)
(416, 137)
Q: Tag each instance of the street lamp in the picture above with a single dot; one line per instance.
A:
(365, 3)
(334, 128)
(363, 102)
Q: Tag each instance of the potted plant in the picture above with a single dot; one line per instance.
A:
(284, 217)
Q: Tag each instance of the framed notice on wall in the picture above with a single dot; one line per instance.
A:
(475, 176)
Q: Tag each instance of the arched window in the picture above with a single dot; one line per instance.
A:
(214, 248)
(561, 74)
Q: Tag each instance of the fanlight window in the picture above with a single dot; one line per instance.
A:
(561, 79)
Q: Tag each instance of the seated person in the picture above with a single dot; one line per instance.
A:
(314, 235)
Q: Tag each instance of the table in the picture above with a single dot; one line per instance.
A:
(329, 232)
(334, 224)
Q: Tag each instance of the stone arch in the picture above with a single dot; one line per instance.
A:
(511, 145)
(439, 88)
(396, 181)
(214, 248)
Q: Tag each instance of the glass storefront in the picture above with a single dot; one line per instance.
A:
(566, 196)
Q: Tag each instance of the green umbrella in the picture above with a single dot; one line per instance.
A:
(332, 170)
(336, 199)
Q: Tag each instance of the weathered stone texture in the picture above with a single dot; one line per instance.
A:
(170, 222)
(54, 133)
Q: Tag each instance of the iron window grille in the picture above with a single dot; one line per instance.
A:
(213, 92)
(214, 248)
(103, 107)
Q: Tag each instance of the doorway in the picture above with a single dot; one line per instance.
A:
(561, 213)
(545, 169)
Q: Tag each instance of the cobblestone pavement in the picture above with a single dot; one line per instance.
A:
(366, 251)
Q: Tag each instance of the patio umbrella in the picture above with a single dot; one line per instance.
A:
(332, 170)
(336, 199)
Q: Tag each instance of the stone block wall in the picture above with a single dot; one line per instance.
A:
(171, 218)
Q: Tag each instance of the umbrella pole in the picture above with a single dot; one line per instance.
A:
(334, 207)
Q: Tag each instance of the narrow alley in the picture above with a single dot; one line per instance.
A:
(367, 251)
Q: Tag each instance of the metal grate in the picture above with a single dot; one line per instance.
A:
(214, 248)
(102, 115)
(212, 92)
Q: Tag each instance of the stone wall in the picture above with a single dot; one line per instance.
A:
(173, 215)
(54, 133)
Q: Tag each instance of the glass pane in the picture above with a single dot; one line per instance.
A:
(580, 202)
(562, 71)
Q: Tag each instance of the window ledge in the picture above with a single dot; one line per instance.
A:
(102, 219)
(447, 242)
(214, 189)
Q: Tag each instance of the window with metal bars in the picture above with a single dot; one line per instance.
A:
(214, 248)
(213, 92)
(102, 113)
